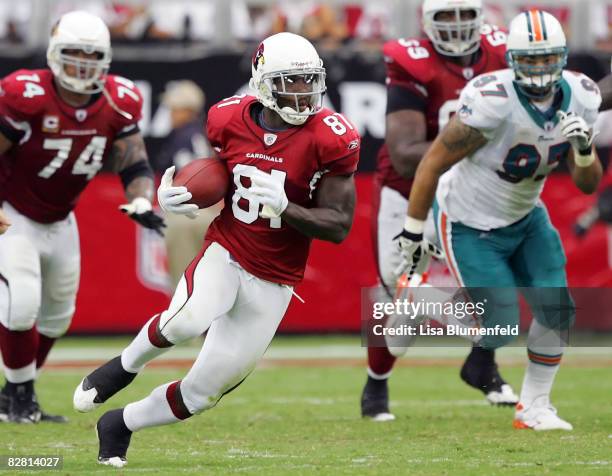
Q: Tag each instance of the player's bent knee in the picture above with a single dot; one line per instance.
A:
(182, 326)
(55, 326)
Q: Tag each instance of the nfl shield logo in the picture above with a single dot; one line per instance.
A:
(468, 73)
(549, 126)
(269, 139)
(81, 114)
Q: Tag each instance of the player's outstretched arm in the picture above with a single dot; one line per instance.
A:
(456, 141)
(405, 136)
(129, 160)
(332, 218)
(605, 87)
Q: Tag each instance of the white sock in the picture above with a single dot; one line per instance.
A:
(153, 410)
(141, 351)
(544, 348)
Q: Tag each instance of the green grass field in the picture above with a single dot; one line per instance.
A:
(299, 414)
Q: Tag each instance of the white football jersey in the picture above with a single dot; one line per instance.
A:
(501, 182)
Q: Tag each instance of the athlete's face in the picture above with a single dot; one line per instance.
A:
(539, 61)
(302, 83)
(450, 16)
(80, 70)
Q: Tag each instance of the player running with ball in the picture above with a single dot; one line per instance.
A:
(484, 174)
(292, 163)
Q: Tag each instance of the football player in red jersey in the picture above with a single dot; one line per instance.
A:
(424, 79)
(58, 127)
(292, 163)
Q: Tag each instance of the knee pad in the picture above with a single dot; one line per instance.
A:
(54, 326)
(554, 308)
(181, 326)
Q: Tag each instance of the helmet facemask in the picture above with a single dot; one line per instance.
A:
(538, 72)
(293, 105)
(89, 74)
(454, 32)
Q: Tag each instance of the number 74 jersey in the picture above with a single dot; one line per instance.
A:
(502, 181)
(57, 149)
(299, 157)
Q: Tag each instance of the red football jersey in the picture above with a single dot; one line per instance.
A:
(415, 65)
(60, 147)
(327, 144)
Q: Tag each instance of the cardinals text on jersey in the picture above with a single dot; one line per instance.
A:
(327, 144)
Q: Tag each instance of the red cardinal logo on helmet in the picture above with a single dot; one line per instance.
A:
(258, 57)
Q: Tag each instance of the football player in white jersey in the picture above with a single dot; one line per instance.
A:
(484, 174)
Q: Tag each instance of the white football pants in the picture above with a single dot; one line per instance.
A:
(241, 313)
(41, 263)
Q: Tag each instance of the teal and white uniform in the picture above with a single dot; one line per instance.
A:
(489, 217)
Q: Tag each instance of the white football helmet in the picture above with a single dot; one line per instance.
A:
(79, 30)
(536, 33)
(453, 38)
(279, 58)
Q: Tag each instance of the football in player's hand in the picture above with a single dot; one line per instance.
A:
(206, 179)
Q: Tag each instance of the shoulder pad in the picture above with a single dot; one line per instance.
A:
(336, 136)
(493, 40)
(126, 96)
(584, 89)
(413, 57)
(25, 91)
(221, 114)
(486, 100)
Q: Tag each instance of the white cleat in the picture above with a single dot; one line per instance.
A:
(115, 462)
(83, 400)
(505, 396)
(382, 417)
(540, 416)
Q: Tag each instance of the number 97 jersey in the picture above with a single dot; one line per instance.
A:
(502, 181)
(299, 157)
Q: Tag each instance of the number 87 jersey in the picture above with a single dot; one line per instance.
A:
(57, 149)
(502, 181)
(299, 157)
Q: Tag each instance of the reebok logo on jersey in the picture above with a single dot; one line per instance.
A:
(269, 158)
(352, 145)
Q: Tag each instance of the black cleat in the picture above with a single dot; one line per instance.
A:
(47, 417)
(114, 438)
(375, 400)
(23, 406)
(480, 371)
(5, 402)
(101, 384)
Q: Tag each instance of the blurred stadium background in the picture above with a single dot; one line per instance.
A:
(155, 42)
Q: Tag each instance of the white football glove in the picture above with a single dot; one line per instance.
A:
(416, 253)
(172, 199)
(270, 192)
(575, 129)
(141, 211)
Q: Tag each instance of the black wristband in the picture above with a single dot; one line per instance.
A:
(142, 168)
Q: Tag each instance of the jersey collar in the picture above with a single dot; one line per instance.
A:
(565, 92)
(261, 133)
